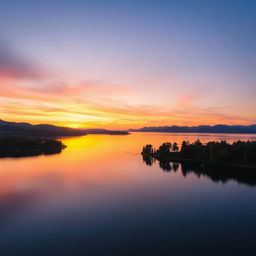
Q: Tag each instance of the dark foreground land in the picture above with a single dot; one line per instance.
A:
(23, 146)
(239, 153)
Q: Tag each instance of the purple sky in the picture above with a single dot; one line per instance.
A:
(128, 63)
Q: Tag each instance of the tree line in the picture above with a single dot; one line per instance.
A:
(239, 152)
(19, 146)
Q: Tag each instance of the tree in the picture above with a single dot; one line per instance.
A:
(148, 149)
(164, 149)
(175, 147)
(184, 147)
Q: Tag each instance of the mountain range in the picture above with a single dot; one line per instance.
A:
(220, 128)
(47, 130)
(104, 131)
(40, 130)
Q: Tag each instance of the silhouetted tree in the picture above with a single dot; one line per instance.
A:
(18, 146)
(184, 147)
(175, 147)
(164, 149)
(239, 152)
(148, 149)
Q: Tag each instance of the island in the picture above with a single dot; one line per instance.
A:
(239, 153)
(25, 146)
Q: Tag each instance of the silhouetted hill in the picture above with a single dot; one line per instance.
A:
(200, 129)
(41, 130)
(47, 130)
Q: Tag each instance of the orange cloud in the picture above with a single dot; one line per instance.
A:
(98, 104)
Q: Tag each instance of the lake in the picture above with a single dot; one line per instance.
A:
(98, 197)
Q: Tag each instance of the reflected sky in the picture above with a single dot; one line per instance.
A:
(98, 197)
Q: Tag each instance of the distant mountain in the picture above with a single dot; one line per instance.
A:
(47, 130)
(103, 131)
(40, 130)
(220, 128)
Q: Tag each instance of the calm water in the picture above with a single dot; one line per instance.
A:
(98, 197)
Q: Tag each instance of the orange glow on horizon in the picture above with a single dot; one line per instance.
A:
(80, 107)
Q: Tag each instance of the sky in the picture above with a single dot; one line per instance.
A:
(127, 64)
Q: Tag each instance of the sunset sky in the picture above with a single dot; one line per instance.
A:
(128, 64)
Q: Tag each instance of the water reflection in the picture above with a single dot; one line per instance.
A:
(148, 160)
(217, 173)
(96, 199)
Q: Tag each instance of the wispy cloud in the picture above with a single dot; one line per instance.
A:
(14, 65)
(28, 93)
(105, 110)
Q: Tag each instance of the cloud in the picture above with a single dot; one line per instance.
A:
(14, 65)
(28, 93)
(91, 104)
(95, 112)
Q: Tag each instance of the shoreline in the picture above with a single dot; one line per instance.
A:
(28, 146)
(189, 160)
(237, 154)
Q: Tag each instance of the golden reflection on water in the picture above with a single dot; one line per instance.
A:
(99, 161)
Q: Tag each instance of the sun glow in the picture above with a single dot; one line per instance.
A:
(74, 126)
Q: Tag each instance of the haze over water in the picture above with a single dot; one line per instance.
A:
(98, 197)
